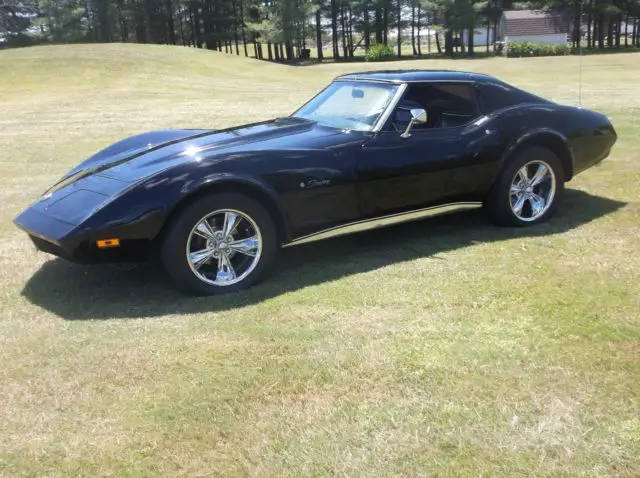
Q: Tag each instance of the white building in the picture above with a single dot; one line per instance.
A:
(533, 26)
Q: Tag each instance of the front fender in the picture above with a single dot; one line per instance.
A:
(218, 178)
(240, 183)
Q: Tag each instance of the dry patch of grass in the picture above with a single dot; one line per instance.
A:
(444, 348)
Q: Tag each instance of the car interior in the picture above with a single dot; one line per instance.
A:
(447, 106)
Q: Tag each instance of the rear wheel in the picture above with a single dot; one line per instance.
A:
(528, 190)
(220, 243)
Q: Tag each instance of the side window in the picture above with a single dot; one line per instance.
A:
(448, 105)
(495, 97)
(454, 103)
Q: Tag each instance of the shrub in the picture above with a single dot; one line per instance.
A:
(379, 52)
(527, 48)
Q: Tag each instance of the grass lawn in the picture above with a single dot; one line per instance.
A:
(445, 348)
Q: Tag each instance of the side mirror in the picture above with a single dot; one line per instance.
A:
(418, 116)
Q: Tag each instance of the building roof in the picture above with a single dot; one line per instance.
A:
(531, 22)
(402, 76)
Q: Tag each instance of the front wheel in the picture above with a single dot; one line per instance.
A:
(528, 190)
(220, 243)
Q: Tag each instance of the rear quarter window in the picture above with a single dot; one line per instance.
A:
(496, 96)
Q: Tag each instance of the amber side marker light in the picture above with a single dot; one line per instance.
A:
(108, 243)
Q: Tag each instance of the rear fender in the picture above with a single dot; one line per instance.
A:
(548, 138)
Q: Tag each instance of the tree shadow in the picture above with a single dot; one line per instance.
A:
(76, 292)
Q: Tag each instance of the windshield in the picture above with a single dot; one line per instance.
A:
(354, 105)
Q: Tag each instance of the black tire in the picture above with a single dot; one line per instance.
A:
(497, 204)
(174, 245)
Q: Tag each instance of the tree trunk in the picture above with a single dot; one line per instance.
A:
(448, 43)
(378, 24)
(385, 22)
(209, 42)
(350, 30)
(610, 33)
(235, 28)
(288, 46)
(419, 27)
(334, 29)
(626, 31)
(87, 14)
(319, 34)
(244, 38)
(577, 20)
(399, 11)
(170, 24)
(281, 46)
(470, 50)
(618, 31)
(589, 21)
(122, 19)
(269, 54)
(198, 23)
(494, 34)
(343, 32)
(181, 28)
(104, 30)
(487, 39)
(413, 30)
(276, 51)
(366, 27)
(448, 36)
(601, 31)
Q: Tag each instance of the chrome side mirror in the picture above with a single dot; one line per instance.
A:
(418, 116)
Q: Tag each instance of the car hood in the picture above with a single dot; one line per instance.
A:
(143, 155)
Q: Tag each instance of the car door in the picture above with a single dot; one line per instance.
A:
(432, 166)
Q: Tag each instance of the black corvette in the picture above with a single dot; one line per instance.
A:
(370, 149)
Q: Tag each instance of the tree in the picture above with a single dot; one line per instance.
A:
(16, 17)
(286, 25)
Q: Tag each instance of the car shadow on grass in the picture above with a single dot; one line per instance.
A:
(76, 292)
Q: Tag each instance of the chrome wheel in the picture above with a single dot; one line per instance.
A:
(532, 191)
(224, 247)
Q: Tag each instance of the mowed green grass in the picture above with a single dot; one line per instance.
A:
(441, 348)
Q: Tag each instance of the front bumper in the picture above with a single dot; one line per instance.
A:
(47, 229)
(56, 237)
